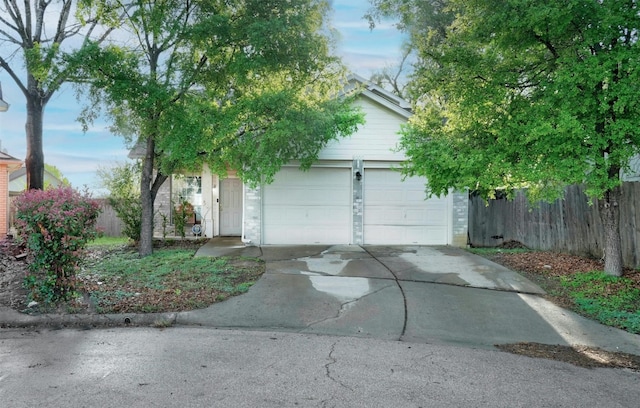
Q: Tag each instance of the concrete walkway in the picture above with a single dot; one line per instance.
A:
(421, 294)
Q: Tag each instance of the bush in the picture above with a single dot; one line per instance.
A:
(123, 182)
(55, 225)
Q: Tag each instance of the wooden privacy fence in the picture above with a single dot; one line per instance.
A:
(108, 220)
(569, 225)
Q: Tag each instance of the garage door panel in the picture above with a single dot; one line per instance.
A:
(312, 207)
(396, 212)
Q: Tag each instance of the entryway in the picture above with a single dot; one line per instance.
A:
(230, 207)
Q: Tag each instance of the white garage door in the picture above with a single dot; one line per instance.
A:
(312, 207)
(396, 212)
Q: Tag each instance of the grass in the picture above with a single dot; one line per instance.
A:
(108, 242)
(611, 300)
(116, 280)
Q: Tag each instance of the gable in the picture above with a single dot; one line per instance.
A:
(377, 139)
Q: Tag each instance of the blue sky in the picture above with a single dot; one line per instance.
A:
(78, 155)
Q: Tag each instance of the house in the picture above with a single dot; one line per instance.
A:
(354, 193)
(18, 180)
(8, 164)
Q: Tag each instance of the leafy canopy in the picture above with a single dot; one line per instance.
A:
(522, 93)
(248, 86)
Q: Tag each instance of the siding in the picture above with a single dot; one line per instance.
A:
(375, 140)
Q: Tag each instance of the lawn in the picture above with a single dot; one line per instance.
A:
(114, 279)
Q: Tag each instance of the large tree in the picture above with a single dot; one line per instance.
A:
(246, 85)
(525, 93)
(35, 37)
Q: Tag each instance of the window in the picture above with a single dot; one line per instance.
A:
(189, 188)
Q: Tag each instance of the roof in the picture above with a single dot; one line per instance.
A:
(380, 95)
(11, 162)
(18, 179)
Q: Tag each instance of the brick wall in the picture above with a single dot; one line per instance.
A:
(4, 198)
(253, 215)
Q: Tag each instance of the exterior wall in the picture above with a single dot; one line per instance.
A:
(460, 219)
(252, 217)
(162, 206)
(376, 140)
(4, 198)
(358, 203)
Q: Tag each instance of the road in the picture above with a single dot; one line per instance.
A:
(207, 367)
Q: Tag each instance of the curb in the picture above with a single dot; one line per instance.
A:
(10, 318)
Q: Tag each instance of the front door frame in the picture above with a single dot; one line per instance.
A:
(231, 195)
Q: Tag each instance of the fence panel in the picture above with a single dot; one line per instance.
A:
(571, 224)
(108, 220)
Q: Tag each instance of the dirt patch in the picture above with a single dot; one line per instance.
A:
(581, 356)
(544, 268)
(121, 297)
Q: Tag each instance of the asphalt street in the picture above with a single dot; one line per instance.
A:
(207, 367)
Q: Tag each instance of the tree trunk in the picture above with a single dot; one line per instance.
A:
(34, 162)
(610, 216)
(146, 197)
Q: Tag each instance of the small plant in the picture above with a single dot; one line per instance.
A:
(55, 225)
(165, 223)
(182, 212)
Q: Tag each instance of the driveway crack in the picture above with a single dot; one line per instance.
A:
(327, 368)
(343, 307)
(395, 277)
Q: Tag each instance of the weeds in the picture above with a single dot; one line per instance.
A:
(611, 300)
(169, 280)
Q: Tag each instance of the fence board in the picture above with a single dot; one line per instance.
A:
(108, 221)
(571, 224)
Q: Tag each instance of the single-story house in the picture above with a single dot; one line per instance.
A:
(8, 164)
(354, 193)
(18, 180)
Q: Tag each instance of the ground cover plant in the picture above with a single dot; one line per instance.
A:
(113, 278)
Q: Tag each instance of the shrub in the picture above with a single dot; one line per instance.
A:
(182, 212)
(55, 225)
(123, 182)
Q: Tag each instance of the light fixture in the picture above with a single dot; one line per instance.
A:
(3, 105)
(358, 176)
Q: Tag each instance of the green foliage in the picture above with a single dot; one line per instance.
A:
(56, 225)
(245, 85)
(108, 242)
(123, 182)
(534, 93)
(612, 300)
(169, 279)
(181, 214)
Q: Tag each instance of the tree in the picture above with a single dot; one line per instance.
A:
(123, 182)
(526, 94)
(248, 85)
(394, 77)
(38, 31)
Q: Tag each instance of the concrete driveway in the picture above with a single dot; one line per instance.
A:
(439, 295)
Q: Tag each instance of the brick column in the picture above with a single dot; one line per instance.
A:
(4, 200)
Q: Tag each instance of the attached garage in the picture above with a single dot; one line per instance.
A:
(396, 212)
(312, 207)
(352, 195)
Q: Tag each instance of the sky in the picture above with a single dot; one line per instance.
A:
(78, 155)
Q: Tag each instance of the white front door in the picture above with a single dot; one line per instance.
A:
(230, 207)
